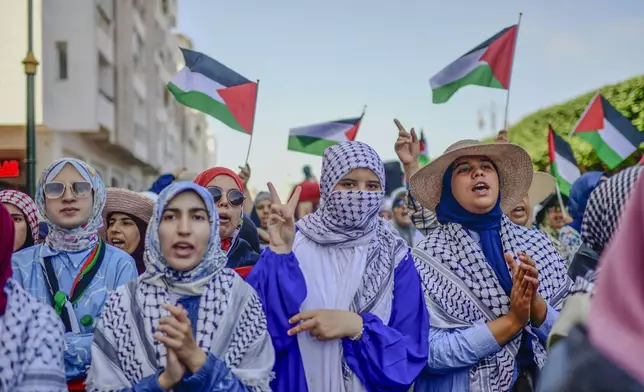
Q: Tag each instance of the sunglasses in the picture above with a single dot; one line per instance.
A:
(235, 197)
(55, 189)
(399, 203)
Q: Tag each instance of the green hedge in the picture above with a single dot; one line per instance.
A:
(531, 131)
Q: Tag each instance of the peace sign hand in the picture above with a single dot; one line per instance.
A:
(281, 221)
(407, 145)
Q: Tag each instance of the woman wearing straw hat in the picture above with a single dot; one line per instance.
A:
(492, 288)
(543, 184)
(127, 215)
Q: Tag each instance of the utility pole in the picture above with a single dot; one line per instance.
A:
(31, 65)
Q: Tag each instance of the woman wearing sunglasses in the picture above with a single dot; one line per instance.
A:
(227, 188)
(73, 270)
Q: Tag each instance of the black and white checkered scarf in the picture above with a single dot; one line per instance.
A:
(349, 218)
(461, 289)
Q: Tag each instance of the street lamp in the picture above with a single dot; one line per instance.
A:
(31, 65)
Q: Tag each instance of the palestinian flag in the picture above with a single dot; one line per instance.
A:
(314, 139)
(210, 87)
(487, 65)
(423, 158)
(563, 164)
(612, 135)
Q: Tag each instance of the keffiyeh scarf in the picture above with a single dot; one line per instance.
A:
(31, 344)
(26, 205)
(82, 237)
(350, 218)
(231, 322)
(461, 289)
(605, 206)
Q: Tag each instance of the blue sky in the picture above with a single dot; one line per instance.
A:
(326, 60)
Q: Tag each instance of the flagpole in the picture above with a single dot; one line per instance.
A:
(364, 110)
(561, 204)
(572, 130)
(250, 142)
(514, 55)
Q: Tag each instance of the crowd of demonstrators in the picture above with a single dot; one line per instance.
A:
(475, 276)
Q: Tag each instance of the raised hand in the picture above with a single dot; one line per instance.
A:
(176, 334)
(407, 145)
(281, 221)
(538, 306)
(244, 174)
(521, 294)
(502, 137)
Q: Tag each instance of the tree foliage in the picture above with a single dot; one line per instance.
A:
(532, 131)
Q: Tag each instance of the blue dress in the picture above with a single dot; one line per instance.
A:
(116, 269)
(387, 357)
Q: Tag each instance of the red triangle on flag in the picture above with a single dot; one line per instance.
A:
(241, 101)
(500, 54)
(593, 118)
(353, 131)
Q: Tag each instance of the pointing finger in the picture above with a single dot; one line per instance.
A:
(401, 129)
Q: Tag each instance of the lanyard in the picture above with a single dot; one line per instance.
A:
(63, 304)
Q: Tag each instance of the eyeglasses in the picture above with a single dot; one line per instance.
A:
(55, 189)
(235, 197)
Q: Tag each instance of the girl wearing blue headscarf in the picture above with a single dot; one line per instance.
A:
(73, 270)
(189, 323)
(492, 288)
(580, 191)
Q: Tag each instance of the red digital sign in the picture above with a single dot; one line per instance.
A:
(9, 168)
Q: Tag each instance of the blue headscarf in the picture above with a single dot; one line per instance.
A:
(158, 272)
(579, 194)
(86, 235)
(487, 226)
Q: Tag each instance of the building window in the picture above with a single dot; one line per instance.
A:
(61, 50)
(166, 96)
(115, 182)
(103, 20)
(164, 7)
(137, 50)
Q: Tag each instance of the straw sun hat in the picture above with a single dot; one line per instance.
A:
(128, 202)
(543, 185)
(512, 162)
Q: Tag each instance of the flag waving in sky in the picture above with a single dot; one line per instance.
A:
(314, 139)
(207, 85)
(613, 136)
(487, 65)
(563, 164)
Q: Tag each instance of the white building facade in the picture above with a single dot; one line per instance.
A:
(101, 91)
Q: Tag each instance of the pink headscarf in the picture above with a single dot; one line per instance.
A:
(616, 322)
(6, 250)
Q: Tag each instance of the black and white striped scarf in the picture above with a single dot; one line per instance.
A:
(461, 289)
(231, 325)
